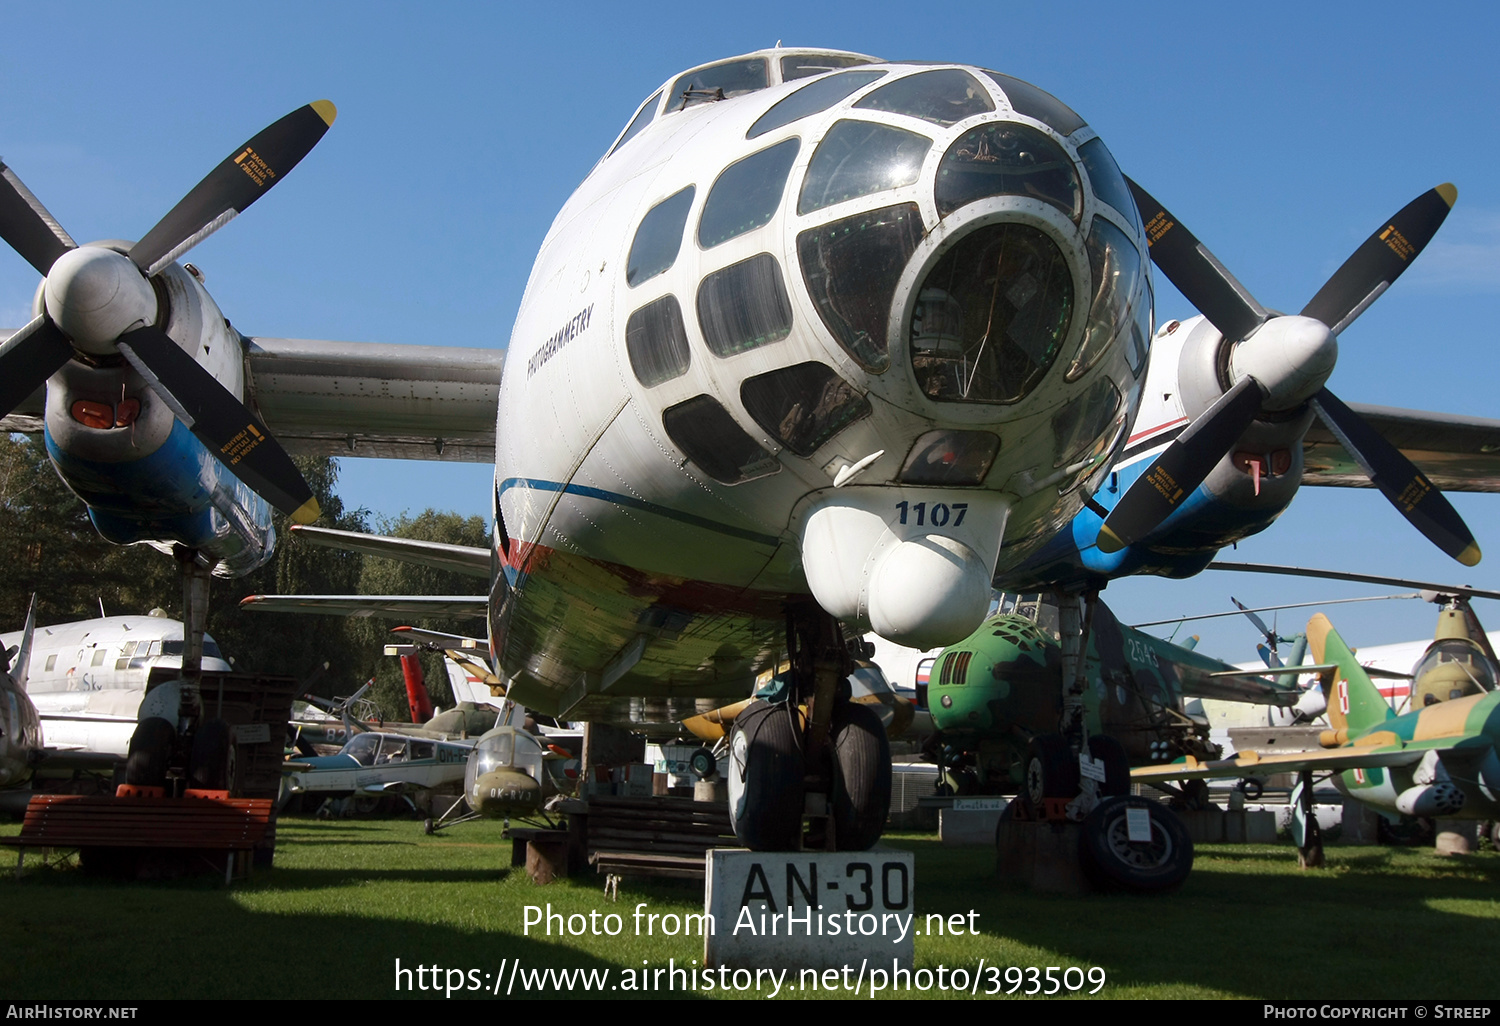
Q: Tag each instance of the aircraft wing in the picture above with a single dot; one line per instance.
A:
(324, 398)
(1253, 764)
(401, 607)
(1458, 453)
(463, 559)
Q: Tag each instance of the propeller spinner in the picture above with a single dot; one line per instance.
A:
(99, 302)
(1280, 363)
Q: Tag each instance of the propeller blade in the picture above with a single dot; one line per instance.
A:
(1180, 469)
(28, 358)
(243, 177)
(220, 421)
(1196, 272)
(1380, 260)
(27, 226)
(1407, 488)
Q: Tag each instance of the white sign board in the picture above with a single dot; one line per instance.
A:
(979, 804)
(809, 910)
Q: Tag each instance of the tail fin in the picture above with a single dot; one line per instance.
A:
(20, 664)
(1354, 702)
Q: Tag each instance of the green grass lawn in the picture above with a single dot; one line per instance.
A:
(346, 899)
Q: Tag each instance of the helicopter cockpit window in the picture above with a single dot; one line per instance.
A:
(656, 342)
(1115, 265)
(991, 315)
(857, 158)
(1083, 423)
(1008, 159)
(1109, 184)
(495, 752)
(363, 749)
(719, 82)
(1461, 664)
(658, 239)
(1027, 99)
(640, 121)
(744, 306)
(706, 432)
(811, 98)
(803, 406)
(805, 65)
(851, 268)
(950, 458)
(944, 97)
(746, 194)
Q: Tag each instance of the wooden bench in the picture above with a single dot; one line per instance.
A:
(658, 836)
(118, 832)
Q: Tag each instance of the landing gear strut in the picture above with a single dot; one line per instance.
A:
(176, 743)
(807, 766)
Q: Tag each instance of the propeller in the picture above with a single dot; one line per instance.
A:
(1279, 363)
(100, 302)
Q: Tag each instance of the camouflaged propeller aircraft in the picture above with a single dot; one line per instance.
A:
(820, 341)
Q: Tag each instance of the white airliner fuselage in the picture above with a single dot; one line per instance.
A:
(87, 678)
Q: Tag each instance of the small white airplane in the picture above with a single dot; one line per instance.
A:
(822, 341)
(87, 678)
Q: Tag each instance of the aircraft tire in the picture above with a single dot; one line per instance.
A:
(149, 753)
(211, 764)
(1112, 862)
(766, 777)
(862, 793)
(1051, 770)
(1109, 751)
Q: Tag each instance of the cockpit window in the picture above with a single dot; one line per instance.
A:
(1008, 159)
(718, 82)
(1084, 423)
(803, 406)
(706, 432)
(658, 239)
(991, 315)
(805, 65)
(950, 458)
(1115, 264)
(851, 268)
(857, 158)
(641, 120)
(810, 99)
(747, 194)
(944, 97)
(1109, 184)
(1027, 99)
(656, 342)
(743, 306)
(362, 749)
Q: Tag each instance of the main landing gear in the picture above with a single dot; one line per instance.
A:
(175, 744)
(808, 767)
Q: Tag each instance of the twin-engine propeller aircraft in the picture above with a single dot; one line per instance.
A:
(822, 341)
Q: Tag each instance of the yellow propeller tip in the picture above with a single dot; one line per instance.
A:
(307, 512)
(1471, 555)
(1108, 541)
(1449, 192)
(327, 111)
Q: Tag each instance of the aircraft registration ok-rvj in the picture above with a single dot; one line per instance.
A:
(820, 341)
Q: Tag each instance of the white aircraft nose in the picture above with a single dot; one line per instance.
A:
(95, 295)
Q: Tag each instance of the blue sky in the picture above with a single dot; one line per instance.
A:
(1281, 134)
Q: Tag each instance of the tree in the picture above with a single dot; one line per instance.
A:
(389, 577)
